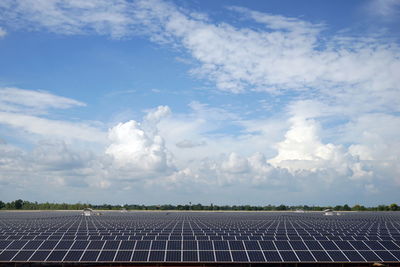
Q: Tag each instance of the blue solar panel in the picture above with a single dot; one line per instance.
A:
(239, 256)
(289, 256)
(305, 256)
(221, 245)
(111, 245)
(190, 256)
(369, 255)
(96, 245)
(385, 255)
(90, 255)
(174, 245)
(140, 256)
(56, 255)
(73, 255)
(40, 255)
(279, 238)
(337, 256)
(107, 255)
(123, 256)
(256, 256)
(207, 256)
(283, 245)
(321, 256)
(173, 256)
(205, 245)
(223, 256)
(157, 255)
(7, 255)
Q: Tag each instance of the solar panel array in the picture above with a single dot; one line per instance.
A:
(242, 237)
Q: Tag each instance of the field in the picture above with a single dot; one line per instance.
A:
(199, 237)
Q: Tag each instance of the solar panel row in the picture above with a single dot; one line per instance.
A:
(199, 237)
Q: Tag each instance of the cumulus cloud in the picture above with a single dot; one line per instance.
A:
(133, 147)
(302, 148)
(339, 97)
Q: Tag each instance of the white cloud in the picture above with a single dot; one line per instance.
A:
(53, 128)
(189, 144)
(339, 95)
(26, 110)
(302, 148)
(133, 148)
(386, 9)
(70, 17)
(2, 32)
(31, 101)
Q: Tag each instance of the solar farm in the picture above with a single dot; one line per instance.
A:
(200, 238)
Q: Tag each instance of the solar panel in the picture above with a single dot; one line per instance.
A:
(206, 256)
(17, 245)
(189, 245)
(7, 255)
(223, 256)
(298, 245)
(369, 255)
(385, 255)
(23, 255)
(255, 256)
(283, 245)
(305, 256)
(272, 256)
(239, 256)
(337, 256)
(40, 255)
(123, 256)
(288, 255)
(140, 256)
(64, 245)
(107, 255)
(127, 245)
(56, 255)
(73, 255)
(156, 255)
(96, 245)
(200, 237)
(236, 245)
(321, 256)
(90, 255)
(173, 256)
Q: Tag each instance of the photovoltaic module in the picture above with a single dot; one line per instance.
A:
(200, 237)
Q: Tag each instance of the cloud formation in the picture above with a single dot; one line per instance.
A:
(2, 32)
(339, 97)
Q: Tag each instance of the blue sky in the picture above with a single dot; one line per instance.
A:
(226, 102)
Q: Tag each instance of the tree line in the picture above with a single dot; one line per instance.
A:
(20, 204)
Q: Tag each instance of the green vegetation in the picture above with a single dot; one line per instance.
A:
(26, 205)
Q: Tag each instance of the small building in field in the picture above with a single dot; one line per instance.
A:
(87, 212)
(328, 212)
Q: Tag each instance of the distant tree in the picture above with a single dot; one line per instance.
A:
(382, 208)
(338, 207)
(281, 207)
(346, 207)
(393, 207)
(2, 204)
(358, 208)
(18, 204)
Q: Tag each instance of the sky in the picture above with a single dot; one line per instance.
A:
(225, 102)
